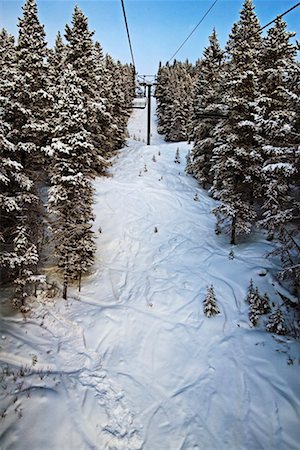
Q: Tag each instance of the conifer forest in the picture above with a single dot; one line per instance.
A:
(149, 291)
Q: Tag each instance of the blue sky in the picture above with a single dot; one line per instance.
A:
(157, 27)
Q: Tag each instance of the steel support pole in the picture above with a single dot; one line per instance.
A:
(149, 114)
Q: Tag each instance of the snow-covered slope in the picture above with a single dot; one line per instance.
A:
(131, 362)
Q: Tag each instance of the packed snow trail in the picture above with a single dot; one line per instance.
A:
(131, 362)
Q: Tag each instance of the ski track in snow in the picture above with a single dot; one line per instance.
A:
(131, 362)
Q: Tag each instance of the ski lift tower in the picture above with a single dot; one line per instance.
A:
(148, 81)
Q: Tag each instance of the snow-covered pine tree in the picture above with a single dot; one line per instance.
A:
(236, 158)
(189, 165)
(210, 307)
(119, 94)
(56, 60)
(19, 152)
(163, 94)
(7, 49)
(31, 101)
(80, 53)
(177, 156)
(276, 117)
(276, 323)
(258, 304)
(251, 293)
(19, 256)
(174, 94)
(73, 157)
(207, 100)
(180, 109)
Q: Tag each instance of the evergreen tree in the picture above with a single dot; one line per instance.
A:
(19, 255)
(208, 100)
(174, 94)
(177, 156)
(210, 307)
(30, 102)
(24, 111)
(277, 119)
(258, 305)
(188, 165)
(276, 323)
(180, 109)
(71, 193)
(119, 99)
(251, 295)
(56, 60)
(80, 53)
(236, 156)
(163, 94)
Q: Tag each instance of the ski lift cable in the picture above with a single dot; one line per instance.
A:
(207, 12)
(194, 29)
(128, 35)
(280, 15)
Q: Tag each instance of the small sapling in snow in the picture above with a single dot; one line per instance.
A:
(231, 255)
(177, 156)
(210, 307)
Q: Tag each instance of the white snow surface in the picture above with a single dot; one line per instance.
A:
(131, 362)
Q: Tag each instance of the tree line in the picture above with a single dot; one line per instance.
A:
(241, 109)
(63, 114)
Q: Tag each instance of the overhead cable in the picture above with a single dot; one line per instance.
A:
(194, 29)
(281, 15)
(128, 35)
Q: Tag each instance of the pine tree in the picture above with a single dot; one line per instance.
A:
(276, 323)
(56, 60)
(210, 307)
(31, 102)
(80, 53)
(118, 91)
(24, 106)
(236, 157)
(174, 93)
(277, 119)
(180, 109)
(251, 295)
(207, 100)
(189, 164)
(71, 194)
(163, 96)
(258, 305)
(26, 258)
(19, 255)
(177, 156)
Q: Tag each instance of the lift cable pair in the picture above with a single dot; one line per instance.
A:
(207, 12)
(142, 105)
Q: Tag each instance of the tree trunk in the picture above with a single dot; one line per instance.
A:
(233, 224)
(79, 281)
(65, 289)
(65, 285)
